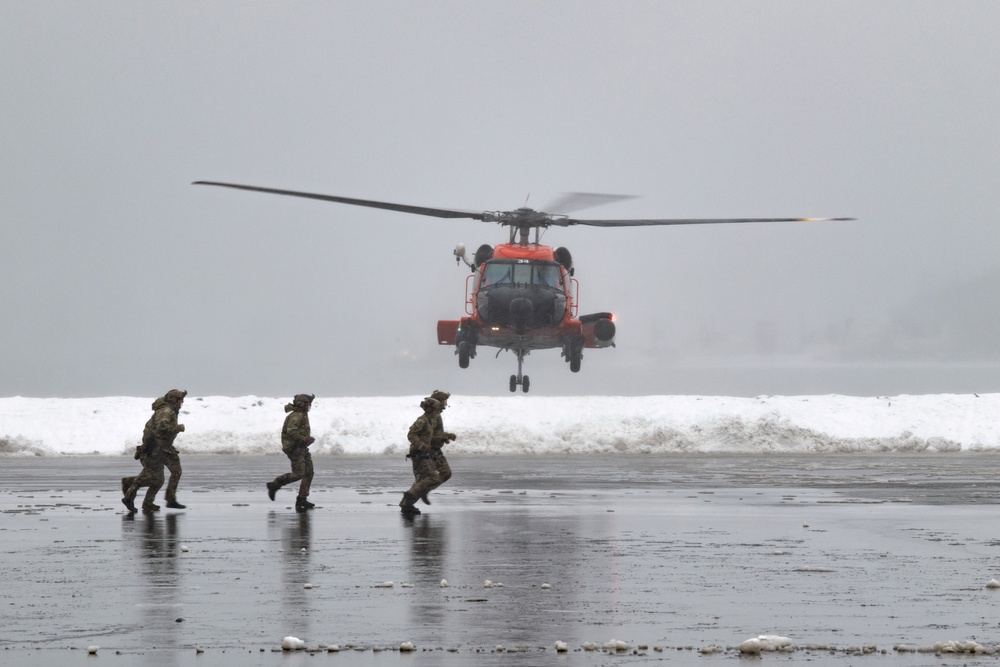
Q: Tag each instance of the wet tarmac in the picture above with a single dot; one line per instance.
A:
(868, 559)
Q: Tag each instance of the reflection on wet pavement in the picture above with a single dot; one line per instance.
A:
(674, 554)
(153, 538)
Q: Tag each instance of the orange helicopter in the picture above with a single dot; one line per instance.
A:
(522, 295)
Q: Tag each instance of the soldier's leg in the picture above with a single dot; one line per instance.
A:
(306, 469)
(298, 469)
(173, 463)
(426, 480)
(424, 475)
(136, 483)
(443, 469)
(154, 483)
(130, 490)
(419, 463)
(406, 504)
(443, 472)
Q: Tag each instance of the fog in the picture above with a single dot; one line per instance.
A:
(119, 277)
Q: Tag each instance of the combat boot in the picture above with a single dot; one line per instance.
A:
(272, 489)
(129, 504)
(308, 505)
(406, 504)
(150, 507)
(300, 505)
(174, 505)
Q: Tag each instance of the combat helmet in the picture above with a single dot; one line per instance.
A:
(430, 404)
(303, 399)
(175, 396)
(300, 402)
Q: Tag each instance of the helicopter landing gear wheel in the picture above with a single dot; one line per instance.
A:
(520, 379)
(575, 356)
(525, 383)
(463, 355)
(574, 363)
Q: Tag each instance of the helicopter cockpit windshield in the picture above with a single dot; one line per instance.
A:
(521, 293)
(522, 273)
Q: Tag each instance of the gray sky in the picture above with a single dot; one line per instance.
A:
(119, 277)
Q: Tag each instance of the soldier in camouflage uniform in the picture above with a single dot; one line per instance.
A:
(439, 437)
(424, 473)
(295, 441)
(157, 450)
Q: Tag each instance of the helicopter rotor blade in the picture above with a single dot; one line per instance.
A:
(513, 218)
(565, 222)
(403, 208)
(577, 201)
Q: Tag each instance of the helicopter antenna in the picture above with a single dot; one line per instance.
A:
(526, 200)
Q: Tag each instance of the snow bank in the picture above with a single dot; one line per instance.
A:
(520, 424)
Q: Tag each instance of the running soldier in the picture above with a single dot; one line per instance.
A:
(295, 441)
(424, 473)
(157, 450)
(439, 437)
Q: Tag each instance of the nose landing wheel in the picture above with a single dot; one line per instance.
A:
(520, 380)
(525, 383)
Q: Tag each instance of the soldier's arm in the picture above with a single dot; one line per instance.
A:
(437, 433)
(444, 435)
(419, 435)
(442, 438)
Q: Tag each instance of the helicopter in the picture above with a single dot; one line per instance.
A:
(522, 295)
